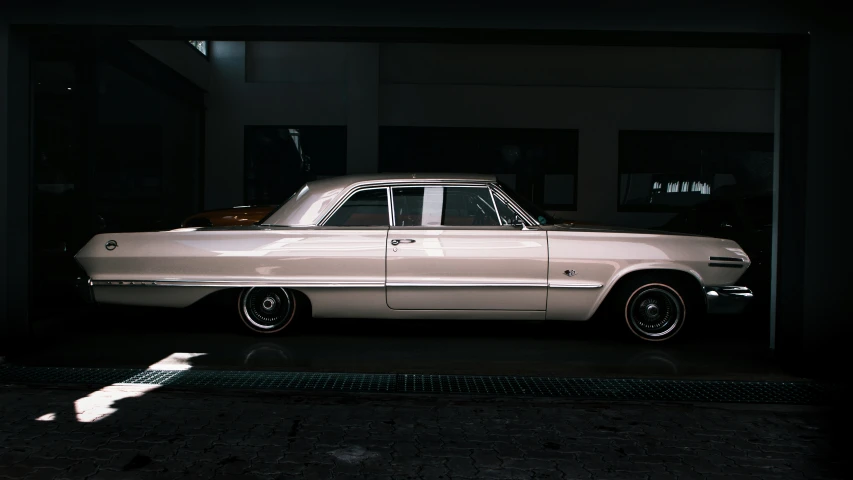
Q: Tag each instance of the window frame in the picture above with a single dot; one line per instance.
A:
(485, 186)
(338, 205)
(703, 138)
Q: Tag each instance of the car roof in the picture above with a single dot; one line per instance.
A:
(347, 180)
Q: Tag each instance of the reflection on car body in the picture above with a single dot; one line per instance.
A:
(242, 215)
(422, 247)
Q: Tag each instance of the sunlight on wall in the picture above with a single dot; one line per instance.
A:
(99, 404)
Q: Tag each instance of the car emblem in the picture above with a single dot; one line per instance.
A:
(111, 245)
(570, 273)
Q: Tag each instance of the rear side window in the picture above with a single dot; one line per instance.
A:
(366, 208)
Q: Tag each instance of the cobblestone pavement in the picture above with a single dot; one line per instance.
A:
(136, 433)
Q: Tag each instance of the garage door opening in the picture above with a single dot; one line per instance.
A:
(655, 137)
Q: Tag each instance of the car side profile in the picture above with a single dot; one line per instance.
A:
(422, 247)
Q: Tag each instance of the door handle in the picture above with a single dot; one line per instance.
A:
(398, 241)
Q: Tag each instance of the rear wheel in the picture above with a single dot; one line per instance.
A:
(266, 309)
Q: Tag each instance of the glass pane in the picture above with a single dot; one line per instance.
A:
(464, 206)
(367, 208)
(201, 45)
(408, 206)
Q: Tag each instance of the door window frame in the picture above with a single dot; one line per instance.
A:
(349, 195)
(485, 186)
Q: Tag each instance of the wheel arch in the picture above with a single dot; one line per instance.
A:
(677, 273)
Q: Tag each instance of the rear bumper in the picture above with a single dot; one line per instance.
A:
(83, 287)
(728, 299)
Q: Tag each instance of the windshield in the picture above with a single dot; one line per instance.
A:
(543, 217)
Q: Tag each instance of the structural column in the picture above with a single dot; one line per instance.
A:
(827, 244)
(362, 94)
(15, 181)
(5, 324)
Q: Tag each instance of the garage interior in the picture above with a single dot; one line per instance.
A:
(176, 123)
(136, 129)
(720, 118)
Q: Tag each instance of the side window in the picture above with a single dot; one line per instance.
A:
(444, 206)
(367, 208)
(465, 206)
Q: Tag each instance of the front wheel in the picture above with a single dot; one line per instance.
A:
(653, 309)
(266, 309)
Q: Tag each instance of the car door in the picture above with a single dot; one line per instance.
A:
(350, 245)
(448, 249)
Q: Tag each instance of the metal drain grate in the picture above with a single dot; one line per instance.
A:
(800, 393)
(792, 393)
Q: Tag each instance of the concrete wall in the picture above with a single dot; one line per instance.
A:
(622, 15)
(286, 84)
(180, 57)
(597, 90)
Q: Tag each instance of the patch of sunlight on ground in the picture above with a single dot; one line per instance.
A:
(99, 404)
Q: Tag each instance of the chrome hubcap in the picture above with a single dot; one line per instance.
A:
(655, 311)
(652, 310)
(266, 308)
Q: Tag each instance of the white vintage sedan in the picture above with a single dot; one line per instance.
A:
(422, 247)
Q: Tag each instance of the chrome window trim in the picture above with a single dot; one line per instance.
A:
(495, 206)
(390, 207)
(445, 184)
(514, 206)
(393, 184)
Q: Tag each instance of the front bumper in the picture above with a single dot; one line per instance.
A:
(728, 299)
(83, 287)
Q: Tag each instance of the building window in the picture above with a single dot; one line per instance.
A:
(540, 164)
(280, 159)
(671, 171)
(200, 45)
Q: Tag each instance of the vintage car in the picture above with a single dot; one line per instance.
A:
(422, 247)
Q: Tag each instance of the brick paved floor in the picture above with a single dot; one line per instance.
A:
(134, 433)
